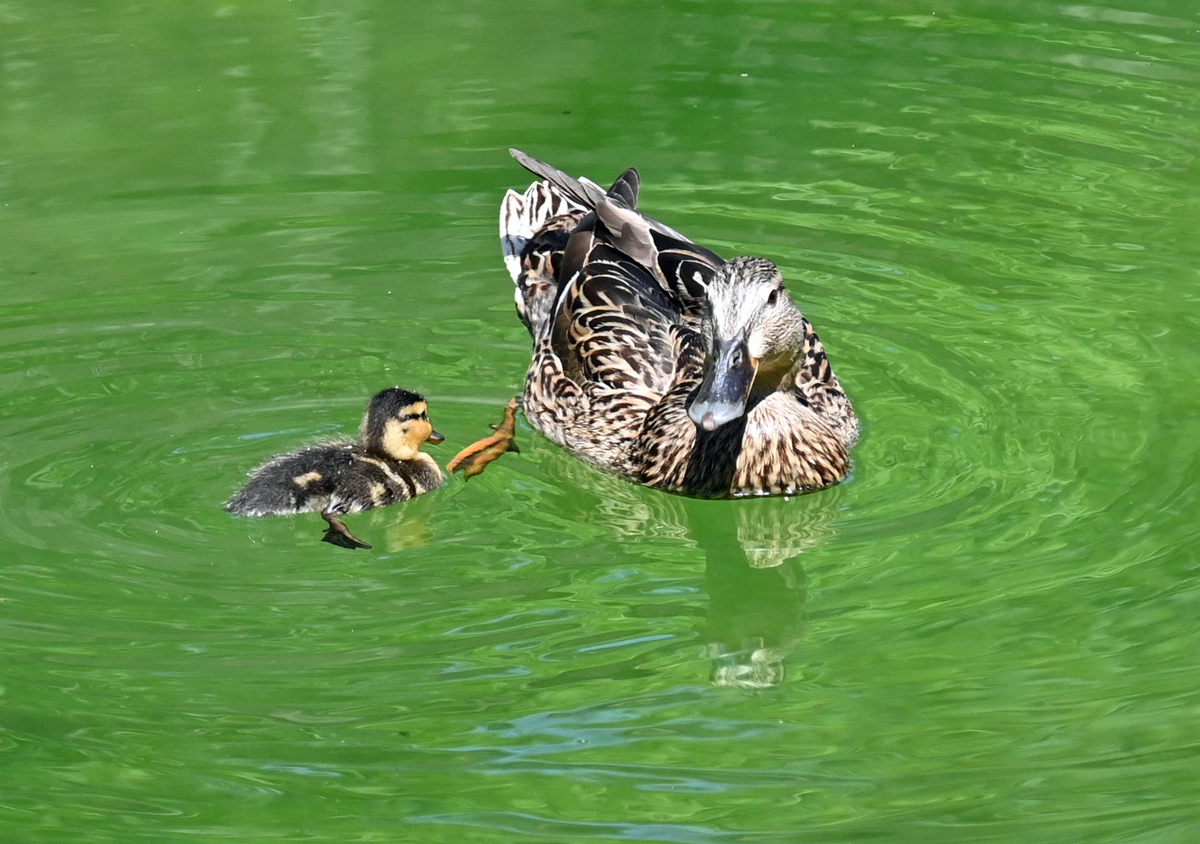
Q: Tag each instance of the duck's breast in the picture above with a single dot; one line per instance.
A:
(787, 448)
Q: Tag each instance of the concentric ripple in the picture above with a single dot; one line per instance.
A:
(224, 229)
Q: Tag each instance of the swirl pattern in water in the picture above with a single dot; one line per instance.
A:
(223, 232)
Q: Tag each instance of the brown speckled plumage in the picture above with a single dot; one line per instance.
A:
(658, 360)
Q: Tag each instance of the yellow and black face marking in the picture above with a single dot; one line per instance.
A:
(406, 433)
(397, 424)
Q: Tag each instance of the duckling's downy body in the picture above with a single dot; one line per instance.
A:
(337, 478)
(659, 361)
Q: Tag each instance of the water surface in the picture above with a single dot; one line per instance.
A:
(224, 227)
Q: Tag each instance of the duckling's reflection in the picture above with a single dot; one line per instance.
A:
(753, 574)
(408, 529)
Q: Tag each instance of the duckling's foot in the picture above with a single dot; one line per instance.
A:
(340, 535)
(474, 458)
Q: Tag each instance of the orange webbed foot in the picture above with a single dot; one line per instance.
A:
(475, 458)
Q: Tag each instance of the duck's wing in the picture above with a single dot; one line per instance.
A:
(678, 269)
(618, 331)
(585, 192)
(616, 206)
(671, 261)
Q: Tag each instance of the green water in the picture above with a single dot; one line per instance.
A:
(224, 225)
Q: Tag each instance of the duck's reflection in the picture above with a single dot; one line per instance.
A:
(756, 584)
(752, 554)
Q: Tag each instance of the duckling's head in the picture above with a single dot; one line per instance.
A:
(397, 425)
(753, 336)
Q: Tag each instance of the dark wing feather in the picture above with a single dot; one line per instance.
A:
(686, 270)
(628, 229)
(616, 328)
(626, 188)
(586, 194)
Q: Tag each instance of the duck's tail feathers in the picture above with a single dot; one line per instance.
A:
(617, 206)
(626, 187)
(523, 215)
(583, 191)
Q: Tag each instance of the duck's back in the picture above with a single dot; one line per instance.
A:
(613, 300)
(617, 345)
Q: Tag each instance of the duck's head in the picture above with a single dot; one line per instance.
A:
(753, 336)
(397, 425)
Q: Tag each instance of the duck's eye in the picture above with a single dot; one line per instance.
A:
(773, 298)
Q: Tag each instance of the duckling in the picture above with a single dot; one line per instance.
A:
(336, 478)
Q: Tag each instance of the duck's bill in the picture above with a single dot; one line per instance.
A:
(435, 438)
(723, 394)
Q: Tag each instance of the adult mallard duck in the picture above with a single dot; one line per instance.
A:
(658, 360)
(385, 466)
